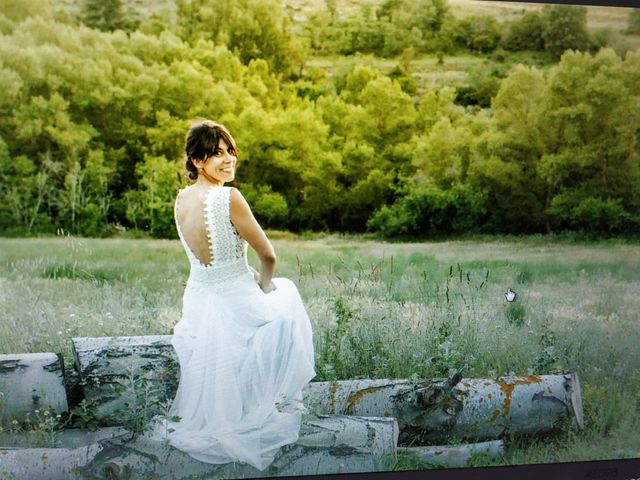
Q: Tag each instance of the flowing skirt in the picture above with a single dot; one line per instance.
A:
(244, 357)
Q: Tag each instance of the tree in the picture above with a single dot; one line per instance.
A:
(565, 28)
(633, 23)
(480, 33)
(107, 15)
(252, 29)
(590, 162)
(525, 33)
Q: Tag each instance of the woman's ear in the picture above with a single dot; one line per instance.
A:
(199, 162)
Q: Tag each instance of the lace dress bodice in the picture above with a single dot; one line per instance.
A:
(228, 249)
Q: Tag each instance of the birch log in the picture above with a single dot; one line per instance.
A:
(29, 382)
(429, 411)
(453, 456)
(104, 363)
(327, 444)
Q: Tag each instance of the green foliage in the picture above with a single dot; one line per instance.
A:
(331, 360)
(515, 313)
(252, 29)
(141, 402)
(393, 27)
(108, 15)
(595, 215)
(633, 25)
(40, 428)
(151, 206)
(565, 27)
(268, 206)
(480, 33)
(92, 136)
(84, 415)
(525, 33)
(547, 356)
(429, 211)
(483, 86)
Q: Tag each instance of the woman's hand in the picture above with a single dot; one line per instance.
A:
(268, 288)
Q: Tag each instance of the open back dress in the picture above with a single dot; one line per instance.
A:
(244, 355)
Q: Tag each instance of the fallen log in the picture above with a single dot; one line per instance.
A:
(327, 444)
(29, 382)
(429, 411)
(452, 456)
(104, 363)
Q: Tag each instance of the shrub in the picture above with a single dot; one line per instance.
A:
(590, 214)
(565, 28)
(479, 33)
(525, 33)
(431, 211)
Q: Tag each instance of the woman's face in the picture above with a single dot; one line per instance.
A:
(220, 166)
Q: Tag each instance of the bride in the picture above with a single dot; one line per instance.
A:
(244, 341)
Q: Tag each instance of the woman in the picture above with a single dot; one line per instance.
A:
(244, 341)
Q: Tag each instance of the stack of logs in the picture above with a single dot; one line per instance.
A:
(352, 425)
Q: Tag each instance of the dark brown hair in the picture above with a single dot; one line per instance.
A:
(202, 139)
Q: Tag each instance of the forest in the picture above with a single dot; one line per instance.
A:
(95, 103)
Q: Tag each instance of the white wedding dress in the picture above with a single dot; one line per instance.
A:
(244, 355)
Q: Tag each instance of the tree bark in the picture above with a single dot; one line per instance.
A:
(429, 411)
(326, 445)
(29, 382)
(453, 456)
(104, 363)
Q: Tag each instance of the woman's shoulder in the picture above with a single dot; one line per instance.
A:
(235, 194)
(237, 202)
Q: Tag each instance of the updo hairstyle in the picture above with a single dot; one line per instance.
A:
(202, 139)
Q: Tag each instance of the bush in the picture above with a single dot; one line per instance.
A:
(431, 211)
(479, 33)
(483, 86)
(633, 25)
(525, 33)
(599, 215)
(268, 206)
(590, 214)
(565, 29)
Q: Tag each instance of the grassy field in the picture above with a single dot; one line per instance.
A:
(378, 310)
(597, 17)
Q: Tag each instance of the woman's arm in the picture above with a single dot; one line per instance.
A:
(249, 229)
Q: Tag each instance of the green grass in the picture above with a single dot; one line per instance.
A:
(378, 310)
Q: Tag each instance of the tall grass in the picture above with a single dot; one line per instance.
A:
(378, 310)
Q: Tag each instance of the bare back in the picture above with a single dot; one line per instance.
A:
(191, 219)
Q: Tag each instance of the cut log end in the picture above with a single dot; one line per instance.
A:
(576, 399)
